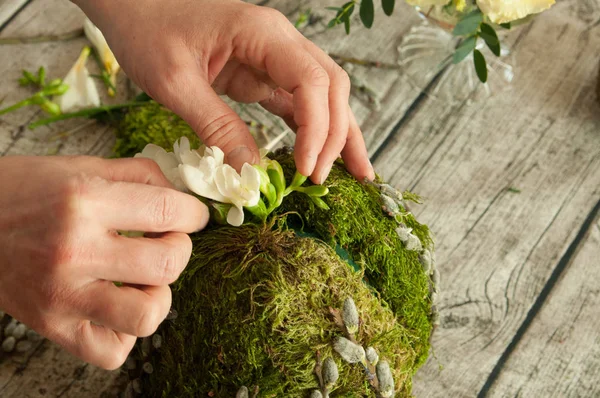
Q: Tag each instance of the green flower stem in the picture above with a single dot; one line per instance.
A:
(16, 106)
(89, 112)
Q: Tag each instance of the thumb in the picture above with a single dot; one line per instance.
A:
(214, 121)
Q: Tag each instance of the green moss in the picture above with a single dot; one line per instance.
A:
(356, 222)
(151, 123)
(253, 304)
(253, 308)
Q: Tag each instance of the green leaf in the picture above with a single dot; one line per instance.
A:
(505, 25)
(334, 8)
(466, 47)
(491, 38)
(388, 6)
(347, 26)
(480, 66)
(332, 23)
(468, 24)
(367, 12)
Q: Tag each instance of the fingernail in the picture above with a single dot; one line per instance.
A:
(324, 174)
(239, 156)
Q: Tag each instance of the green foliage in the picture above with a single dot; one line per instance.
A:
(388, 6)
(367, 13)
(465, 48)
(468, 24)
(480, 65)
(43, 97)
(488, 34)
(343, 15)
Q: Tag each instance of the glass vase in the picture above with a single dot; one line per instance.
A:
(425, 55)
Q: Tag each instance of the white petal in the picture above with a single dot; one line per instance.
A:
(166, 161)
(235, 216)
(150, 151)
(250, 178)
(96, 37)
(195, 182)
(216, 153)
(82, 92)
(227, 181)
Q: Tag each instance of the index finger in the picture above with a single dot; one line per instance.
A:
(292, 68)
(147, 208)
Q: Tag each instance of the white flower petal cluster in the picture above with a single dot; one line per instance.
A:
(502, 11)
(82, 92)
(204, 173)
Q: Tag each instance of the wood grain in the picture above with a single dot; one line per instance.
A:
(560, 354)
(8, 8)
(497, 247)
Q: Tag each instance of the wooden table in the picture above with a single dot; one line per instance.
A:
(511, 187)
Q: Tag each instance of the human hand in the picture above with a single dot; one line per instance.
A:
(185, 52)
(60, 252)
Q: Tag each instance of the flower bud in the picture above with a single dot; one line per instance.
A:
(350, 315)
(349, 351)
(386, 380)
(330, 373)
(315, 190)
(50, 107)
(372, 356)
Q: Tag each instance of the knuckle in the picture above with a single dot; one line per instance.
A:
(164, 211)
(222, 129)
(171, 264)
(317, 76)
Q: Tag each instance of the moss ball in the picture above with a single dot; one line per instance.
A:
(257, 304)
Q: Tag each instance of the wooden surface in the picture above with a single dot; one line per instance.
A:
(511, 187)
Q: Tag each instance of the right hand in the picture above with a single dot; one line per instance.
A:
(60, 252)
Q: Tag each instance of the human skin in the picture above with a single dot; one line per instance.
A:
(60, 251)
(185, 52)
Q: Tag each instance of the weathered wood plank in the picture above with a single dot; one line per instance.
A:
(498, 247)
(8, 8)
(560, 354)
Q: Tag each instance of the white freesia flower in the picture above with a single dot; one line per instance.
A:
(168, 163)
(96, 37)
(204, 173)
(82, 92)
(502, 11)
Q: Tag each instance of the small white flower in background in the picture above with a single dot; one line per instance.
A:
(82, 92)
(96, 37)
(502, 11)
